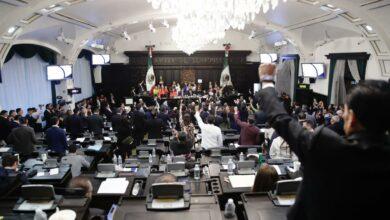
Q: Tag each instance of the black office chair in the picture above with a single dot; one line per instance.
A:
(70, 192)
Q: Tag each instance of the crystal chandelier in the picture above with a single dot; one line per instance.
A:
(200, 22)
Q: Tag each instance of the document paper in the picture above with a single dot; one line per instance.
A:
(240, 181)
(113, 186)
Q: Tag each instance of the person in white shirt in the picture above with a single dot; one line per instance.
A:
(77, 161)
(211, 134)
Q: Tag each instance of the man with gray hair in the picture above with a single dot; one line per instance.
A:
(336, 125)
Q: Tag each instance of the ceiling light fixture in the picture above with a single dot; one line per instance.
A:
(165, 23)
(369, 28)
(126, 35)
(209, 19)
(152, 28)
(11, 30)
(252, 35)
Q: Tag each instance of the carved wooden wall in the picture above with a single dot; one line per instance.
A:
(179, 67)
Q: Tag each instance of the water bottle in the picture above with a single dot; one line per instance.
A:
(169, 159)
(230, 166)
(242, 156)
(230, 209)
(40, 215)
(115, 159)
(154, 152)
(150, 159)
(120, 160)
(197, 172)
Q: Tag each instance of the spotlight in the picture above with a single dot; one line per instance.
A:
(252, 35)
(165, 23)
(126, 35)
(151, 28)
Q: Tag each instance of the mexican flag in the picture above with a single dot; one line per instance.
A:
(150, 78)
(225, 75)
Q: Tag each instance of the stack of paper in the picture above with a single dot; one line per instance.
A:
(240, 181)
(95, 147)
(80, 139)
(113, 186)
(54, 171)
(4, 149)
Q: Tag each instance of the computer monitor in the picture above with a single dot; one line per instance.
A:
(313, 70)
(56, 72)
(268, 58)
(256, 87)
(129, 101)
(100, 59)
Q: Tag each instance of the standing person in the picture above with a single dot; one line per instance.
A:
(211, 134)
(75, 127)
(154, 126)
(249, 133)
(5, 129)
(23, 138)
(124, 132)
(139, 119)
(336, 168)
(95, 123)
(56, 137)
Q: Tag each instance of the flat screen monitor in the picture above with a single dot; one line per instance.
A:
(129, 101)
(100, 59)
(256, 87)
(313, 70)
(56, 72)
(268, 58)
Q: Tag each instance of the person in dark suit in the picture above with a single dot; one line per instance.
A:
(139, 119)
(124, 131)
(23, 138)
(5, 129)
(48, 114)
(56, 137)
(164, 116)
(32, 122)
(15, 122)
(154, 126)
(181, 145)
(9, 174)
(95, 123)
(116, 119)
(343, 178)
(75, 124)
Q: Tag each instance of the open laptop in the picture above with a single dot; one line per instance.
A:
(105, 170)
(246, 167)
(177, 169)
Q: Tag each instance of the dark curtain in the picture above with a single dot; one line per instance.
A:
(361, 58)
(362, 66)
(29, 50)
(296, 59)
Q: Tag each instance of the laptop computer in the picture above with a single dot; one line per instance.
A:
(105, 170)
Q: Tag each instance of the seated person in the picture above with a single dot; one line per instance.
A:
(77, 161)
(83, 183)
(9, 173)
(180, 145)
(166, 178)
(265, 179)
(281, 150)
(56, 137)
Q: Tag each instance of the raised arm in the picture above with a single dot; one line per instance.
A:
(237, 119)
(286, 126)
(198, 118)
